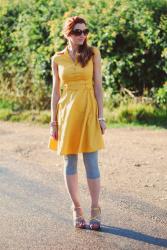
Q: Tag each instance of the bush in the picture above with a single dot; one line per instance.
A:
(160, 97)
(131, 36)
(138, 114)
(112, 100)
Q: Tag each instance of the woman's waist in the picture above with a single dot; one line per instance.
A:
(78, 85)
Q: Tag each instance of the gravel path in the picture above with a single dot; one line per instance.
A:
(35, 207)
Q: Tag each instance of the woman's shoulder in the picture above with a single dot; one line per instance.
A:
(56, 57)
(96, 50)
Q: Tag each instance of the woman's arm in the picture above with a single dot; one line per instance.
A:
(55, 90)
(98, 90)
(97, 77)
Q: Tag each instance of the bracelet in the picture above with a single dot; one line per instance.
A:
(101, 119)
(53, 123)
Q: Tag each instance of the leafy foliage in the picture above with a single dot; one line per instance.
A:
(131, 35)
(160, 97)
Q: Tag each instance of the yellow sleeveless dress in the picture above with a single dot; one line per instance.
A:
(78, 126)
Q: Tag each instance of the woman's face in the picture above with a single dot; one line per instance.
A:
(78, 40)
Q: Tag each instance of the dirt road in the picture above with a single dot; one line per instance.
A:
(35, 207)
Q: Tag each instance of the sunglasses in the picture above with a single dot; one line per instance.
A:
(78, 32)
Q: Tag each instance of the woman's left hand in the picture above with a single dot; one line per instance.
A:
(103, 126)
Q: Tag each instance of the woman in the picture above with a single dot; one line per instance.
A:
(77, 121)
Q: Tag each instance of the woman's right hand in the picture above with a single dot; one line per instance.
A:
(54, 131)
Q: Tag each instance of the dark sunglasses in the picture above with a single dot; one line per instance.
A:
(78, 32)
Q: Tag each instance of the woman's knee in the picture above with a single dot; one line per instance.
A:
(91, 164)
(70, 164)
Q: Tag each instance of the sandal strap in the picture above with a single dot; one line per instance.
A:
(79, 219)
(96, 208)
(94, 221)
(96, 217)
(79, 216)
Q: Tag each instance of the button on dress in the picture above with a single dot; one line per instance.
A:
(77, 111)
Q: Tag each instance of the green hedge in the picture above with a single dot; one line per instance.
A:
(131, 35)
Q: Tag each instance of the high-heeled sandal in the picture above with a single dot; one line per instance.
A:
(95, 221)
(78, 221)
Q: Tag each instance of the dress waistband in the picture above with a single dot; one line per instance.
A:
(78, 85)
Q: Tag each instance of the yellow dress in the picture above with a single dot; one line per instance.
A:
(78, 126)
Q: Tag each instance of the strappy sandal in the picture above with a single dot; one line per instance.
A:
(95, 221)
(78, 221)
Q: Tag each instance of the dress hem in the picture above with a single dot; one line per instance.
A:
(81, 151)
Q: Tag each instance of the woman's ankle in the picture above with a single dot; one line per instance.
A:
(78, 211)
(75, 204)
(93, 205)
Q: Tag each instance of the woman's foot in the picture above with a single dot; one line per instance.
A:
(78, 219)
(95, 220)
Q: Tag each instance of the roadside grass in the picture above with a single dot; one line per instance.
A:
(136, 114)
(126, 115)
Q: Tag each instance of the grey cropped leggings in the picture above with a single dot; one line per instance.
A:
(90, 161)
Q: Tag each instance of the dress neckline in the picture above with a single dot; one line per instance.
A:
(67, 52)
